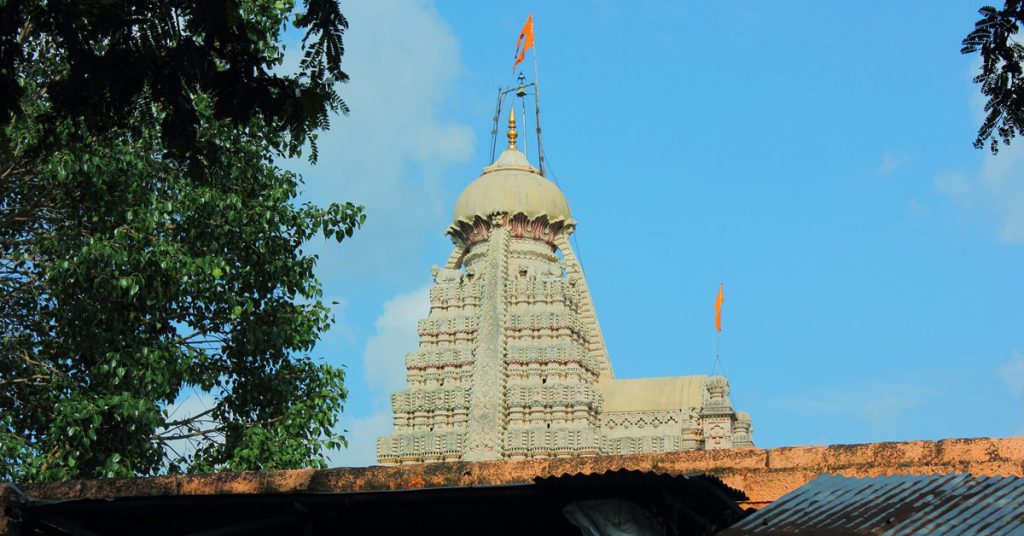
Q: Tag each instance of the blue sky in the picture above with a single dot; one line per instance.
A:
(815, 157)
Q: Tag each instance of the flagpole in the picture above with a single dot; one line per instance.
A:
(717, 368)
(494, 127)
(526, 145)
(536, 101)
(501, 94)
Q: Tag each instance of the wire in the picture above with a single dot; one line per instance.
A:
(575, 241)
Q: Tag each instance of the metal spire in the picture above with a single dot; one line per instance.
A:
(512, 133)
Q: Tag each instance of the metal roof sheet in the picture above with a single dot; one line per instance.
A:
(894, 505)
(690, 504)
(696, 482)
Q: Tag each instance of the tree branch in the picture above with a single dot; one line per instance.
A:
(188, 420)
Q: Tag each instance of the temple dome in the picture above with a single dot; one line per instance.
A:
(511, 185)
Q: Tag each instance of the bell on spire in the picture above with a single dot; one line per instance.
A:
(512, 134)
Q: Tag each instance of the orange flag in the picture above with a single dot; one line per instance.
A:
(718, 308)
(525, 41)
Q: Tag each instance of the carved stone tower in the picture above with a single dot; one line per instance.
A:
(511, 361)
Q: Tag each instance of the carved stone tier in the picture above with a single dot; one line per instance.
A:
(504, 357)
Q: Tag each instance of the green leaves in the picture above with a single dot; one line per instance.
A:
(121, 60)
(1002, 72)
(136, 266)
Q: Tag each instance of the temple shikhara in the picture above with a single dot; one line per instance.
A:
(511, 361)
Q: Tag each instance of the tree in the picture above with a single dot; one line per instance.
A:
(1002, 72)
(150, 245)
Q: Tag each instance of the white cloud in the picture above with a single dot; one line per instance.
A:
(889, 163)
(996, 191)
(397, 335)
(394, 148)
(1012, 374)
(384, 371)
(881, 406)
(955, 185)
(1002, 180)
(362, 434)
(888, 411)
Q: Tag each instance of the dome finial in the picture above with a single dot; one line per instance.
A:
(512, 134)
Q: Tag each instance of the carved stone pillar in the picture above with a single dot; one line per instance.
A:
(485, 429)
(717, 415)
(742, 436)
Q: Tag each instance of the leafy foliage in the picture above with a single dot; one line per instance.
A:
(149, 246)
(1002, 72)
(123, 57)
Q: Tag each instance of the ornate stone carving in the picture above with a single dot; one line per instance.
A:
(512, 363)
(742, 431)
(486, 419)
(446, 275)
(519, 226)
(717, 414)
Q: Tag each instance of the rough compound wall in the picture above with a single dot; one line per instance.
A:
(764, 475)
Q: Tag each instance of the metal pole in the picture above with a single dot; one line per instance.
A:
(525, 144)
(494, 128)
(716, 369)
(536, 100)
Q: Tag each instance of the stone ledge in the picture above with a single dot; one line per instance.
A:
(764, 475)
(942, 453)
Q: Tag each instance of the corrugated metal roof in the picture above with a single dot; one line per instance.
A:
(694, 504)
(696, 482)
(691, 504)
(894, 505)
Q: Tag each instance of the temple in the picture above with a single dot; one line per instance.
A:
(511, 361)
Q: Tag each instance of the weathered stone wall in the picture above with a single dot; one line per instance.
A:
(764, 475)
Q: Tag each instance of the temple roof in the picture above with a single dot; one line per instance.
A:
(649, 394)
(513, 186)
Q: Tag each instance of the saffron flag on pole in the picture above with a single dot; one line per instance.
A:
(525, 42)
(718, 308)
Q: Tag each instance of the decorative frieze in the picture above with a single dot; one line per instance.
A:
(421, 447)
(440, 357)
(518, 226)
(643, 443)
(640, 421)
(414, 400)
(442, 324)
(555, 442)
(552, 395)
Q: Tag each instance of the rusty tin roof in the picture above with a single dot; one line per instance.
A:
(890, 505)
